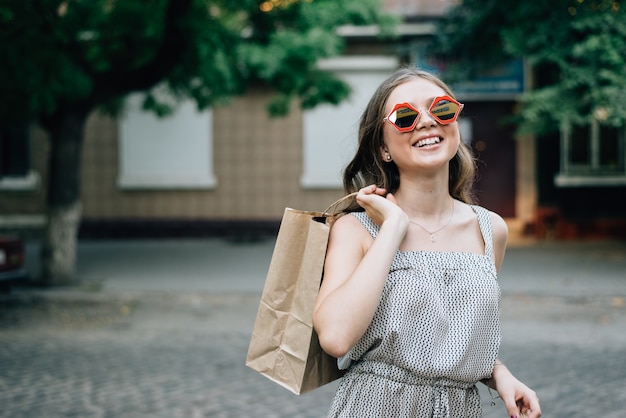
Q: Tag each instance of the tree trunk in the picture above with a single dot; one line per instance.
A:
(66, 131)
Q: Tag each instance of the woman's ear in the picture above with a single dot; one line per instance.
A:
(384, 154)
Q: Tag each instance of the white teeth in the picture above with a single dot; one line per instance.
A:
(428, 141)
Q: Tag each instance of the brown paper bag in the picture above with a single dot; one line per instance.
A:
(284, 346)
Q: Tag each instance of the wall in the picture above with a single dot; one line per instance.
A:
(257, 164)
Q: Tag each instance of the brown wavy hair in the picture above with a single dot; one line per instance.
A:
(367, 167)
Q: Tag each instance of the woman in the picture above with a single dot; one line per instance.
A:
(409, 301)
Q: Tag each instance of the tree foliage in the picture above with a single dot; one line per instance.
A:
(575, 48)
(62, 52)
(62, 59)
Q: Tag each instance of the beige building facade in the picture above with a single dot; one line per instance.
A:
(233, 168)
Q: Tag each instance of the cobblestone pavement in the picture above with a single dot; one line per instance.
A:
(182, 355)
(85, 353)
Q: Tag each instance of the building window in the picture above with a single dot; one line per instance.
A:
(592, 155)
(175, 152)
(330, 132)
(15, 159)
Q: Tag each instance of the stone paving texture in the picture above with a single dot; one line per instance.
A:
(161, 329)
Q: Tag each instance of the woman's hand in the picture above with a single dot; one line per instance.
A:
(520, 401)
(379, 205)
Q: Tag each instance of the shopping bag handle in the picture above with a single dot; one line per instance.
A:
(337, 202)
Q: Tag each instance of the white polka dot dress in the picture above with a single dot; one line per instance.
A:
(435, 333)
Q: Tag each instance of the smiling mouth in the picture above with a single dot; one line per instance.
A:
(428, 141)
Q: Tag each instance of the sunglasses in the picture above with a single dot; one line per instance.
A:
(404, 117)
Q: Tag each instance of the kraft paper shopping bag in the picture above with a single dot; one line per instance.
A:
(284, 346)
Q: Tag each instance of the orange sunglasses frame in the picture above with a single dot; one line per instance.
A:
(419, 114)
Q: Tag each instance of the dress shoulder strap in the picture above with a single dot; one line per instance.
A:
(484, 222)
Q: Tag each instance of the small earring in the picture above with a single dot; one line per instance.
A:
(388, 157)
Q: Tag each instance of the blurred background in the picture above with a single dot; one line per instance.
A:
(148, 150)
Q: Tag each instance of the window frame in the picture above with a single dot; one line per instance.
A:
(29, 180)
(593, 173)
(186, 135)
(322, 132)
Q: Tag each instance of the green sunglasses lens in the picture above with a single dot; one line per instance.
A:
(405, 117)
(444, 110)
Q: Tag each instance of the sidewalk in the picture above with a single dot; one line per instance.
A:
(160, 329)
(218, 266)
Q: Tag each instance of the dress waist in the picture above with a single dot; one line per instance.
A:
(399, 374)
(440, 386)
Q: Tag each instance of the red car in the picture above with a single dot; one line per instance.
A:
(12, 256)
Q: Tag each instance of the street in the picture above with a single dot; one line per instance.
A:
(137, 351)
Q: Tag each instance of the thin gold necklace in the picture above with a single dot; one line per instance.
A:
(433, 236)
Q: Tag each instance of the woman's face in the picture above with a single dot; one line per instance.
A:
(429, 145)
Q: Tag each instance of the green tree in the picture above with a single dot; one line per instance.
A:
(575, 49)
(63, 59)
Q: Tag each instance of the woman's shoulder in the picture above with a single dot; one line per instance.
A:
(497, 221)
(499, 227)
(499, 235)
(351, 225)
(350, 221)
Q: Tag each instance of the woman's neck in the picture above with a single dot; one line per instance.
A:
(426, 199)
